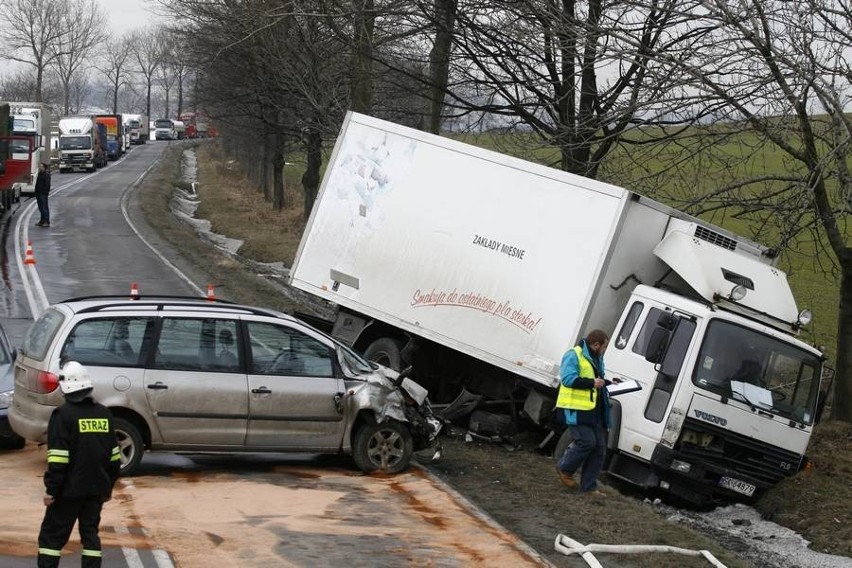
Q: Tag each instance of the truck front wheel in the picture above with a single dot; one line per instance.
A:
(384, 447)
(385, 351)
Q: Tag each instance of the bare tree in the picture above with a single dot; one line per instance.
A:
(115, 66)
(83, 22)
(776, 74)
(31, 30)
(147, 54)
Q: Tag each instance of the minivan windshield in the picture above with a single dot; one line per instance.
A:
(760, 370)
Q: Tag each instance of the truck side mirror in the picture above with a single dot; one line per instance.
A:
(657, 345)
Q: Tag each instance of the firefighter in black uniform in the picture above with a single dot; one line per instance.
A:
(83, 461)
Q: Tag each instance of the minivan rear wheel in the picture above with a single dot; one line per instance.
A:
(129, 444)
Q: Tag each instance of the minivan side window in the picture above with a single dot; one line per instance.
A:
(108, 341)
(281, 350)
(198, 344)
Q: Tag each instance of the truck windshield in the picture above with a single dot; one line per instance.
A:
(75, 142)
(164, 124)
(762, 371)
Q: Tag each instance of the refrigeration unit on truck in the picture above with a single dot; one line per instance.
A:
(493, 267)
(115, 134)
(31, 120)
(80, 144)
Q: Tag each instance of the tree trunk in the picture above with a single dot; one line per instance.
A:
(439, 60)
(362, 73)
(842, 404)
(311, 177)
(278, 173)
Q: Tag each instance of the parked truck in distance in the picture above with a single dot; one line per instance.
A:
(180, 129)
(164, 129)
(115, 134)
(12, 169)
(137, 128)
(81, 144)
(493, 267)
(31, 120)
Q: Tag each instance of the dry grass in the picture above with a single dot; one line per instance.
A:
(817, 502)
(238, 210)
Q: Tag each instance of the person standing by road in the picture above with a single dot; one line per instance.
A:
(584, 405)
(42, 190)
(83, 462)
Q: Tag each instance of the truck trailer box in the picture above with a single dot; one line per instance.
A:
(504, 260)
(488, 268)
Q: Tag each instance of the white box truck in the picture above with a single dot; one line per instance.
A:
(79, 144)
(495, 267)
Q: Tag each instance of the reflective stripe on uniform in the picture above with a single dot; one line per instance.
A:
(95, 553)
(58, 456)
(49, 552)
(116, 454)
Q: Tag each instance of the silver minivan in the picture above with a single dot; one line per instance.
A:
(199, 376)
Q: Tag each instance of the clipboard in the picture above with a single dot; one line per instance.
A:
(623, 387)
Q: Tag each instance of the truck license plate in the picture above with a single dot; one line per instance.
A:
(737, 485)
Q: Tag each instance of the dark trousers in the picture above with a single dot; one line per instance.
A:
(56, 528)
(588, 451)
(43, 209)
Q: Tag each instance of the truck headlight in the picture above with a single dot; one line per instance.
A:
(681, 466)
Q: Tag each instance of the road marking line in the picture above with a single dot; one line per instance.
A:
(125, 197)
(162, 557)
(130, 554)
(22, 233)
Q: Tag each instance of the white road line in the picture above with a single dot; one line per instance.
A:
(130, 554)
(162, 557)
(22, 232)
(124, 199)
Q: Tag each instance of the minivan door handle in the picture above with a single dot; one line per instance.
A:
(261, 390)
(158, 386)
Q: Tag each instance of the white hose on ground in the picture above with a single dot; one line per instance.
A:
(568, 546)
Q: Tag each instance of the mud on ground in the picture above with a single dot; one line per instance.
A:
(511, 481)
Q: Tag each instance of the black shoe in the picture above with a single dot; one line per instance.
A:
(45, 224)
(40, 224)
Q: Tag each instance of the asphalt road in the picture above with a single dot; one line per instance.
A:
(270, 510)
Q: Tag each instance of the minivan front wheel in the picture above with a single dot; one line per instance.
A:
(384, 447)
(129, 444)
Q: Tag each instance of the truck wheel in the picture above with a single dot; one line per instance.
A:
(384, 447)
(129, 444)
(565, 442)
(385, 351)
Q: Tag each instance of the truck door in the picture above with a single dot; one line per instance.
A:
(644, 413)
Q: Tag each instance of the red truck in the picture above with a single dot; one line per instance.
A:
(15, 160)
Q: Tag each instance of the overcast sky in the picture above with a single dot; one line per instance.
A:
(127, 15)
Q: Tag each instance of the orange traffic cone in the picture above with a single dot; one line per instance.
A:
(29, 258)
(134, 291)
(211, 294)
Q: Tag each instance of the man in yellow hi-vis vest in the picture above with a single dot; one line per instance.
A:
(583, 404)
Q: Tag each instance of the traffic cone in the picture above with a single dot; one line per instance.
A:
(29, 258)
(211, 294)
(134, 291)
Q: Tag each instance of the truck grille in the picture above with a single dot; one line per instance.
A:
(715, 238)
(761, 462)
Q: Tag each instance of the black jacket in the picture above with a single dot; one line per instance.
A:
(42, 182)
(83, 458)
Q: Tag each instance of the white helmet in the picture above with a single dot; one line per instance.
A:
(74, 378)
